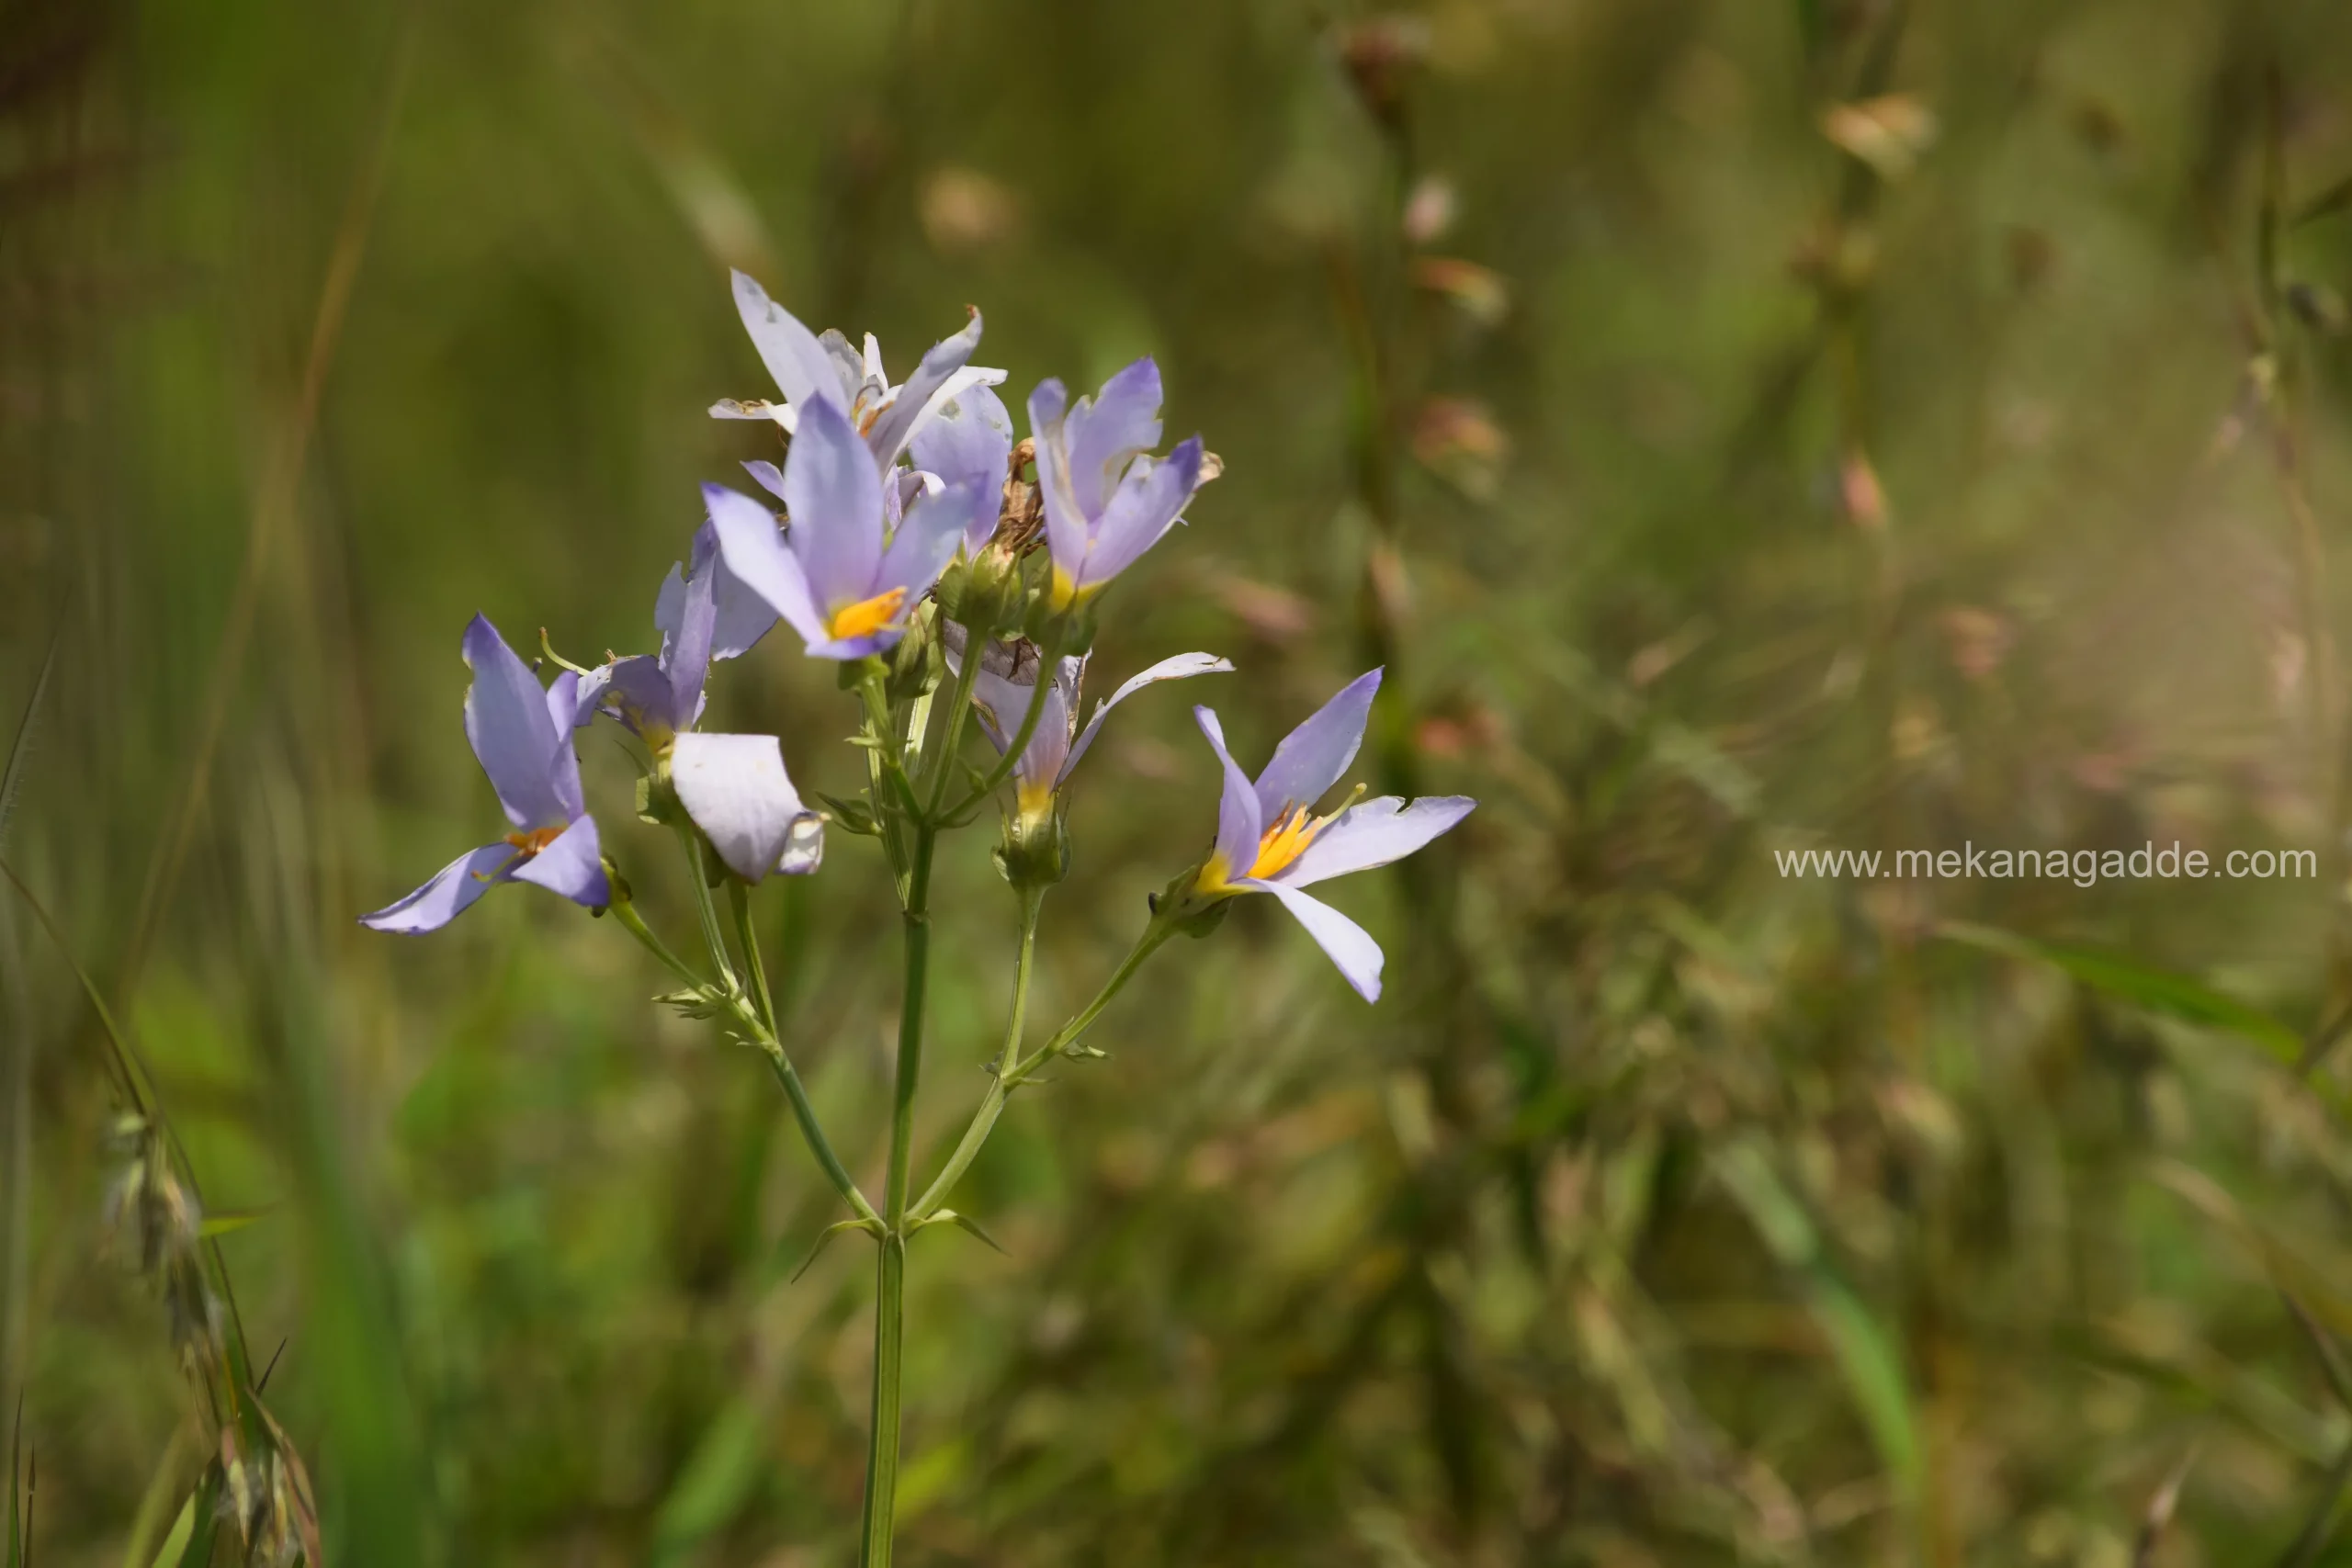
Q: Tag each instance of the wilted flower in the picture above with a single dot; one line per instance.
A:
(1106, 499)
(841, 575)
(1004, 688)
(1268, 840)
(808, 366)
(522, 735)
(733, 786)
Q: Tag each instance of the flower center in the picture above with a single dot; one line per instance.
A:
(531, 843)
(1284, 842)
(867, 616)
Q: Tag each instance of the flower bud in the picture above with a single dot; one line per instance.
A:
(915, 663)
(1034, 850)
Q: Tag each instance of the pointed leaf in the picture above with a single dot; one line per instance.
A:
(966, 1223)
(191, 1543)
(825, 1240)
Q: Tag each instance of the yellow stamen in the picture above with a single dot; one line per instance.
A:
(1068, 592)
(865, 616)
(1285, 842)
(526, 844)
(535, 841)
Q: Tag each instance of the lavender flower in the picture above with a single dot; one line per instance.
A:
(522, 735)
(807, 366)
(733, 786)
(842, 576)
(1001, 693)
(1106, 500)
(1268, 840)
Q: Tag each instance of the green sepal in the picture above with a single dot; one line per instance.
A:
(850, 816)
(695, 1004)
(657, 802)
(825, 1239)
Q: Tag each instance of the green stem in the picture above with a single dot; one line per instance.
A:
(771, 1043)
(1013, 1070)
(698, 886)
(889, 1310)
(631, 921)
(761, 1023)
(944, 763)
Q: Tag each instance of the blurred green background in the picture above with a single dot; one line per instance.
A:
(1742, 425)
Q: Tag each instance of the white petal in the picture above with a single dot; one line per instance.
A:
(735, 788)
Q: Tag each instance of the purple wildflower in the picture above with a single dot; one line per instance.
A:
(522, 735)
(1106, 499)
(807, 366)
(735, 787)
(1268, 840)
(842, 576)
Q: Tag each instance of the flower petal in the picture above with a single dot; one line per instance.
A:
(572, 864)
(735, 788)
(767, 475)
(1068, 527)
(1141, 510)
(1348, 944)
(507, 723)
(755, 407)
(1374, 833)
(927, 540)
(743, 617)
(563, 762)
(1238, 822)
(1312, 757)
(970, 439)
(1177, 669)
(449, 894)
(755, 551)
(895, 424)
(834, 500)
(1110, 430)
(799, 363)
(638, 694)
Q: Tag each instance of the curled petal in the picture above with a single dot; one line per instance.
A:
(755, 551)
(753, 408)
(896, 424)
(1312, 757)
(1348, 944)
(1181, 667)
(449, 894)
(508, 725)
(767, 475)
(735, 788)
(1239, 824)
(572, 864)
(1374, 834)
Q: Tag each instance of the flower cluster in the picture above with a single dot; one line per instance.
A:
(954, 577)
(884, 487)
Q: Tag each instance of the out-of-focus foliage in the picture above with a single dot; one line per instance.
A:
(1745, 426)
